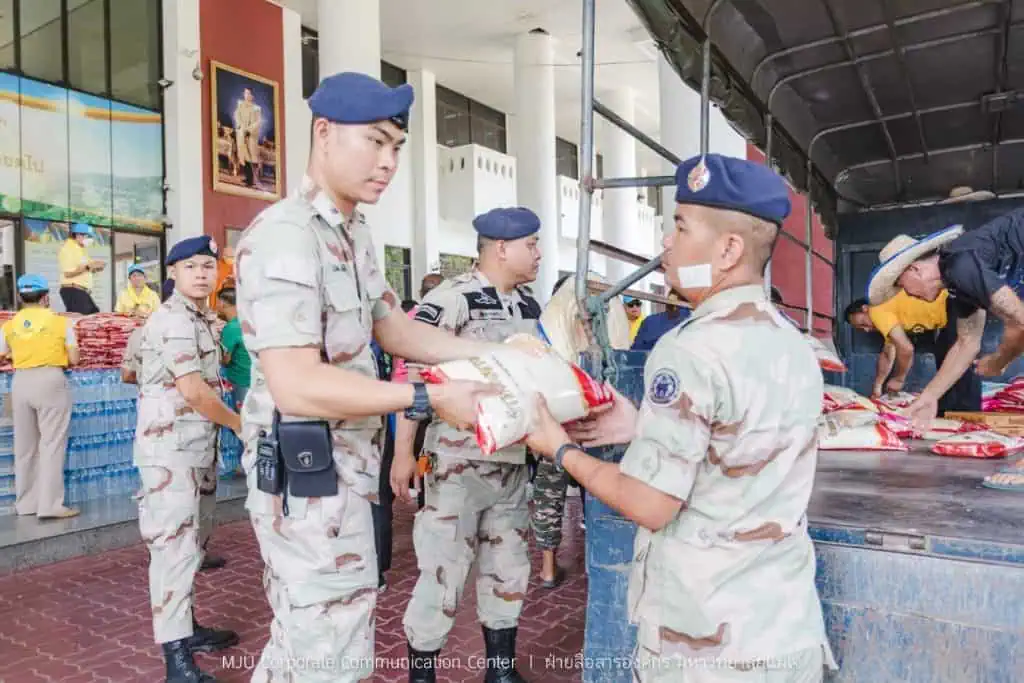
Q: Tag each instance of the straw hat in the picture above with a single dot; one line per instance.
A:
(897, 256)
(964, 193)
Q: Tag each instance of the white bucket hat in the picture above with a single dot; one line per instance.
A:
(966, 194)
(897, 256)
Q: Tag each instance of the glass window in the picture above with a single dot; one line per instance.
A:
(566, 159)
(599, 167)
(136, 141)
(453, 265)
(7, 242)
(7, 54)
(453, 126)
(87, 46)
(42, 44)
(89, 160)
(310, 62)
(44, 151)
(392, 75)
(135, 52)
(487, 126)
(398, 270)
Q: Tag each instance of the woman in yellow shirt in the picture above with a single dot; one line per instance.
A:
(137, 299)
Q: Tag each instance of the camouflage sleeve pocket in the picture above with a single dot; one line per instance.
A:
(180, 350)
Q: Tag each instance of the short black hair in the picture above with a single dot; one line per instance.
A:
(856, 307)
(32, 297)
(228, 296)
(482, 242)
(408, 305)
(560, 282)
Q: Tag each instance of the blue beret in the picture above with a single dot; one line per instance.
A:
(354, 98)
(136, 268)
(734, 184)
(193, 246)
(507, 224)
(167, 289)
(81, 229)
(30, 283)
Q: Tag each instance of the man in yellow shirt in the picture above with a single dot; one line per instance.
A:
(635, 313)
(41, 344)
(902, 321)
(76, 269)
(137, 299)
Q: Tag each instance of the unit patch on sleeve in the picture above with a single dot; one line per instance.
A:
(664, 387)
(429, 314)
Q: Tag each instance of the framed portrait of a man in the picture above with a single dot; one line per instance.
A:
(245, 110)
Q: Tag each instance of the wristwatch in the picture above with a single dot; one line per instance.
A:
(420, 410)
(560, 453)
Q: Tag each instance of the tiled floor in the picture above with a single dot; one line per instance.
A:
(87, 619)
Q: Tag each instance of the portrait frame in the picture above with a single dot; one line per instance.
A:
(239, 165)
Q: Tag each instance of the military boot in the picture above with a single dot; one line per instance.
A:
(422, 666)
(500, 645)
(181, 667)
(205, 639)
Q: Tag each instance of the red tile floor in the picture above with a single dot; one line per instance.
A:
(87, 619)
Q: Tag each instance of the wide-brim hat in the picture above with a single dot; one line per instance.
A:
(967, 194)
(897, 256)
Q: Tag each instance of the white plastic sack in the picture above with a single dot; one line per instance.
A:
(984, 444)
(841, 398)
(828, 357)
(565, 329)
(506, 418)
(870, 437)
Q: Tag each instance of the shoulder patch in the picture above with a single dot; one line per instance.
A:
(428, 313)
(665, 387)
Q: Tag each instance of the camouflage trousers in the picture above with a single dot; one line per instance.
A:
(176, 506)
(549, 486)
(805, 666)
(321, 582)
(474, 510)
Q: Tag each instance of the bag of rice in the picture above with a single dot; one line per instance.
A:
(828, 357)
(984, 444)
(841, 398)
(896, 402)
(506, 418)
(832, 436)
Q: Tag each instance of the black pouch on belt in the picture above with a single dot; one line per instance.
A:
(307, 452)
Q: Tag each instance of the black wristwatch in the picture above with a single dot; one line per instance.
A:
(560, 453)
(420, 410)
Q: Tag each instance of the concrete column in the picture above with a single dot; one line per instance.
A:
(426, 185)
(349, 36)
(621, 225)
(183, 120)
(679, 123)
(535, 146)
(297, 116)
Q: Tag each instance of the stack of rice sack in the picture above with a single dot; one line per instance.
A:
(1009, 398)
(102, 338)
(852, 422)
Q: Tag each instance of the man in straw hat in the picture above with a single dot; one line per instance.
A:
(983, 271)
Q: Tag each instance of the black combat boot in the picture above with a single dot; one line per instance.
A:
(500, 646)
(181, 667)
(205, 639)
(422, 666)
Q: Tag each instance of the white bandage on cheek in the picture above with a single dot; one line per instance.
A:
(693, 277)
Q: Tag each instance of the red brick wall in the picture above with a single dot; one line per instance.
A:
(788, 261)
(259, 49)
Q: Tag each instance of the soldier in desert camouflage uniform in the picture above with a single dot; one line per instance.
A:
(311, 297)
(179, 409)
(718, 471)
(476, 506)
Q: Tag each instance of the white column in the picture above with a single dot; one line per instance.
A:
(679, 121)
(297, 116)
(535, 146)
(348, 36)
(183, 120)
(621, 224)
(426, 187)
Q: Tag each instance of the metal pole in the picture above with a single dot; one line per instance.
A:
(639, 135)
(808, 259)
(587, 152)
(705, 99)
(641, 181)
(624, 284)
(769, 139)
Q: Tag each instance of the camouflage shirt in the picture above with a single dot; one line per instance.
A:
(176, 341)
(307, 277)
(131, 360)
(470, 306)
(728, 425)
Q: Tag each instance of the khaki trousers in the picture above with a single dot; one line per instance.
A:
(41, 406)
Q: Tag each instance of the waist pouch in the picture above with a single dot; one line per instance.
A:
(307, 450)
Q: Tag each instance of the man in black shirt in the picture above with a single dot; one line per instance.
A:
(983, 271)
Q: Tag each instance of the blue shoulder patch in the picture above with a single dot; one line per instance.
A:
(664, 387)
